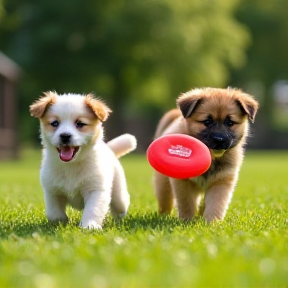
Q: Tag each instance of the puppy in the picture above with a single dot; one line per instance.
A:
(78, 168)
(218, 118)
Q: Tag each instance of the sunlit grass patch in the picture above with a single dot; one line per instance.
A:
(248, 249)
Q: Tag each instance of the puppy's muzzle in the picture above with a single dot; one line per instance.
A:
(65, 138)
(220, 141)
(66, 149)
(218, 144)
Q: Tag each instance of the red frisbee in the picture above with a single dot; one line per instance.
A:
(179, 156)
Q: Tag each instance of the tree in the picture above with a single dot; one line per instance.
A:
(267, 55)
(138, 55)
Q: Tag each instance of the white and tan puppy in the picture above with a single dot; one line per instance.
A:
(78, 168)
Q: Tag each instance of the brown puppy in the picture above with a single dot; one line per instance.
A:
(219, 118)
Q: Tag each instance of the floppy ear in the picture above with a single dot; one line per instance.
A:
(39, 107)
(98, 107)
(248, 104)
(188, 101)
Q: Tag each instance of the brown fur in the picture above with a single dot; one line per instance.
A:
(219, 118)
(39, 107)
(98, 107)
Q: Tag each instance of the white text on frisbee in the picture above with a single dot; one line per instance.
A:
(179, 150)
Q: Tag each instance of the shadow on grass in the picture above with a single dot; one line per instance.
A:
(131, 223)
(25, 230)
(152, 221)
(40, 227)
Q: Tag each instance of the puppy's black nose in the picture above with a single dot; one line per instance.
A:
(65, 138)
(218, 137)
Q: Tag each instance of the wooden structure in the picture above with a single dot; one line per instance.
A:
(9, 76)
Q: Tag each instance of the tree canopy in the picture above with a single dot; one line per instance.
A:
(128, 51)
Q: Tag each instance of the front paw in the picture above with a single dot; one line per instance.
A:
(60, 218)
(118, 215)
(212, 217)
(90, 224)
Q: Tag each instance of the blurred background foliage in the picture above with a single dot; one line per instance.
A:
(140, 55)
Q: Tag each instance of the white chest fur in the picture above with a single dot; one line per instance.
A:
(73, 178)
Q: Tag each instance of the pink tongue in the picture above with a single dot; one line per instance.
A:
(66, 153)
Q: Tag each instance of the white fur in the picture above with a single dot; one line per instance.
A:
(94, 179)
(122, 144)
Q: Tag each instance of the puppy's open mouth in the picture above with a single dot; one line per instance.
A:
(67, 153)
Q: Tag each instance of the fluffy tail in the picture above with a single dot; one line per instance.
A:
(122, 144)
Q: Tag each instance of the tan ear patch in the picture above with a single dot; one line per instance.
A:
(98, 107)
(39, 107)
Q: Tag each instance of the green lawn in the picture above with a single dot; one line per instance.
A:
(248, 249)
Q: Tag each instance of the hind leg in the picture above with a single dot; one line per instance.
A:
(163, 193)
(120, 200)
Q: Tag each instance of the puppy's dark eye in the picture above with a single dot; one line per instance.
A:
(55, 123)
(207, 122)
(228, 122)
(80, 124)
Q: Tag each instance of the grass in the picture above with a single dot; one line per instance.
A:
(248, 249)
